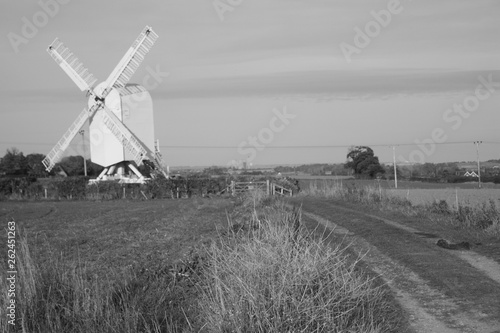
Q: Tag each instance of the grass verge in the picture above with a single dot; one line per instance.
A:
(273, 277)
(57, 297)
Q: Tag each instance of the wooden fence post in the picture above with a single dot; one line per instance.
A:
(268, 187)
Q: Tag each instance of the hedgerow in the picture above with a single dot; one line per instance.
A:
(79, 188)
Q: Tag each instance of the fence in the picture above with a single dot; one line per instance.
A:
(280, 190)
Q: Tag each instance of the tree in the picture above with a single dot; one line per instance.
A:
(429, 170)
(14, 163)
(35, 166)
(73, 165)
(93, 170)
(390, 172)
(215, 171)
(363, 162)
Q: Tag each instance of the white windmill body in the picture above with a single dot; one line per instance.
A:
(133, 106)
(120, 114)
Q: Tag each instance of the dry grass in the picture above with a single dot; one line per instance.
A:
(56, 298)
(482, 218)
(274, 278)
(268, 277)
(453, 196)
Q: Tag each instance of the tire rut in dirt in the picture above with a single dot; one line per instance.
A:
(443, 270)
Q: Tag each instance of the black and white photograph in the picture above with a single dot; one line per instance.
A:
(250, 166)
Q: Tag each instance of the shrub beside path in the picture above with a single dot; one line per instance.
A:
(442, 290)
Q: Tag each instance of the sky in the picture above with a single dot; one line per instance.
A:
(267, 81)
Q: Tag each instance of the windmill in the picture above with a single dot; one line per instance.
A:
(120, 114)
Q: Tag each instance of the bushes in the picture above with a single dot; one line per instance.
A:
(17, 186)
(72, 187)
(457, 179)
(162, 188)
(441, 207)
(78, 188)
(107, 190)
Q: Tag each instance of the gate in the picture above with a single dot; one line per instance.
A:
(266, 186)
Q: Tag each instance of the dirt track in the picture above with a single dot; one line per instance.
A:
(442, 290)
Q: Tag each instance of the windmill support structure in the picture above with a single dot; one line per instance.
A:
(125, 172)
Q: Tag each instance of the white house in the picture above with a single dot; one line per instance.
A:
(470, 174)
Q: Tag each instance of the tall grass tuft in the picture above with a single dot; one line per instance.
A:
(274, 278)
(485, 217)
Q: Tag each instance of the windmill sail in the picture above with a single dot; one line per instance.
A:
(129, 141)
(56, 153)
(157, 160)
(122, 133)
(71, 65)
(131, 60)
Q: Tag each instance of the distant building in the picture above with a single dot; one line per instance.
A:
(470, 174)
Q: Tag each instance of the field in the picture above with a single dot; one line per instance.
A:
(189, 265)
(418, 192)
(118, 234)
(462, 196)
(402, 184)
(255, 264)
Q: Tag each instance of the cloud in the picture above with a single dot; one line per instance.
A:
(341, 84)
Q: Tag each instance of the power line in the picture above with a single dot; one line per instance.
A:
(274, 147)
(317, 146)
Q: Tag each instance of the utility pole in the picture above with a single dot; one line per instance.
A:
(82, 132)
(395, 168)
(477, 143)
